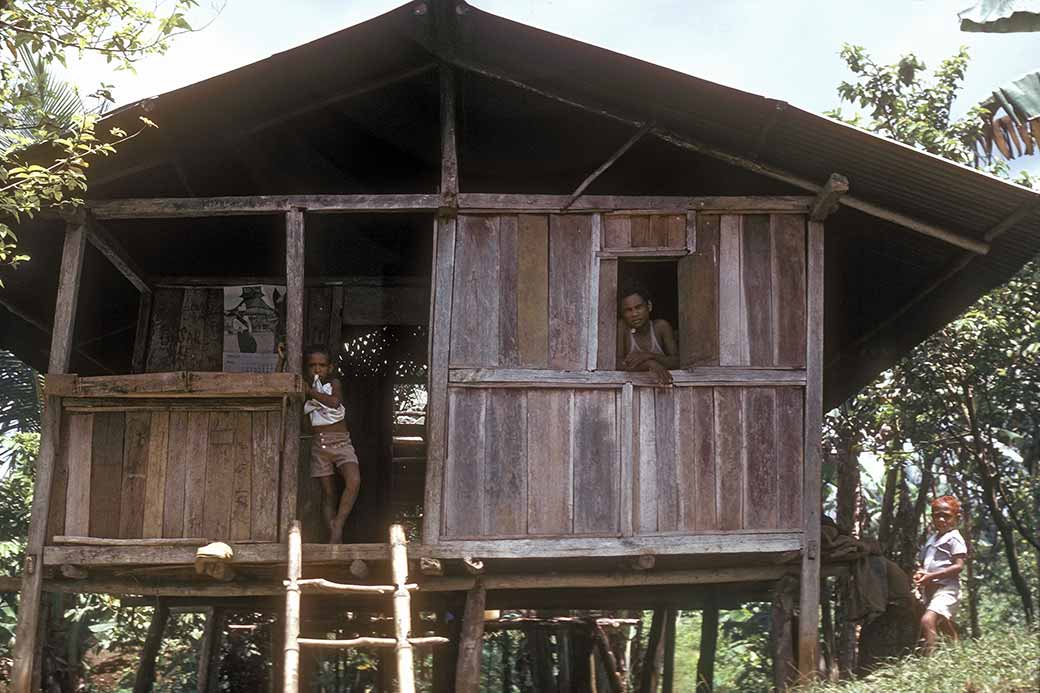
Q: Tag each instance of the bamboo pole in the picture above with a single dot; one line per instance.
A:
(402, 610)
(292, 611)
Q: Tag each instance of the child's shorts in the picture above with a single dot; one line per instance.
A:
(943, 601)
(329, 451)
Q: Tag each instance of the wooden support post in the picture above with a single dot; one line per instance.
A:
(294, 281)
(829, 197)
(446, 656)
(602, 643)
(651, 658)
(153, 641)
(449, 153)
(706, 656)
(785, 671)
(808, 622)
(467, 672)
(402, 610)
(668, 677)
(207, 679)
(291, 670)
(27, 630)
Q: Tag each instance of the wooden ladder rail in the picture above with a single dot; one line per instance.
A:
(402, 604)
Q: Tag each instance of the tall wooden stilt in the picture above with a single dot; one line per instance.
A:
(809, 616)
(291, 669)
(27, 630)
(652, 656)
(668, 677)
(153, 641)
(709, 641)
(208, 676)
(467, 672)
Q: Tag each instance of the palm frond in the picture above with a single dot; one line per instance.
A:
(20, 388)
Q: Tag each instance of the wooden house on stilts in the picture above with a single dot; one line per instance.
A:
(452, 201)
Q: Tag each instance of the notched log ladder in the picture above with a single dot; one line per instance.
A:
(402, 643)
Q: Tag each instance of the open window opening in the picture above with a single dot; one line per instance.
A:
(658, 280)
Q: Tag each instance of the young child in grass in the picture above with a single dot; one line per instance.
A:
(331, 451)
(644, 344)
(942, 559)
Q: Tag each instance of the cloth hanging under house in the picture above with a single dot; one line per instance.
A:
(1019, 98)
(1001, 16)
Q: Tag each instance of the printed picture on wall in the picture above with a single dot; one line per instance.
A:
(254, 326)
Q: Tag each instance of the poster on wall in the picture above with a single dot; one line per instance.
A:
(254, 326)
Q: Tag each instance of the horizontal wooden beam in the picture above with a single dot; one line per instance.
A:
(175, 207)
(370, 642)
(690, 144)
(346, 280)
(109, 246)
(704, 376)
(643, 253)
(175, 384)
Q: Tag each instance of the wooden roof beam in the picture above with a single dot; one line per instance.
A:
(690, 144)
(636, 136)
(829, 197)
(117, 254)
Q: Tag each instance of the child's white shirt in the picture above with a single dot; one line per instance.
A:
(938, 553)
(322, 414)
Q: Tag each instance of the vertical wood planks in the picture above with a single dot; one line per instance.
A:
(756, 273)
(220, 461)
(464, 467)
(592, 313)
(699, 298)
(242, 485)
(475, 300)
(80, 443)
(508, 337)
(627, 428)
(155, 475)
(667, 487)
(135, 470)
(549, 471)
(606, 359)
(729, 455)
(195, 477)
(106, 474)
(733, 344)
(166, 318)
(595, 460)
(191, 332)
(267, 428)
(788, 269)
(318, 302)
(144, 317)
(177, 461)
(697, 443)
(639, 231)
(646, 460)
(212, 355)
(761, 500)
(57, 510)
(617, 231)
(533, 290)
(569, 248)
(789, 451)
(505, 463)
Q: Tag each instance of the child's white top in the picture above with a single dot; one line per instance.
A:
(321, 414)
(938, 552)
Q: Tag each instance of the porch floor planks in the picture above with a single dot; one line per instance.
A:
(464, 468)
(220, 462)
(762, 499)
(177, 462)
(264, 509)
(106, 474)
(155, 476)
(242, 484)
(595, 455)
(549, 473)
(135, 471)
(505, 463)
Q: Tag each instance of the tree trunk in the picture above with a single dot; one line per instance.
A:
(146, 668)
(709, 641)
(652, 656)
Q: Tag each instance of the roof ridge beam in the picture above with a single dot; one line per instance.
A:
(875, 210)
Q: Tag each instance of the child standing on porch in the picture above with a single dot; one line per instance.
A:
(331, 450)
(942, 559)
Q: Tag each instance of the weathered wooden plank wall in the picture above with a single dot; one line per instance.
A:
(140, 471)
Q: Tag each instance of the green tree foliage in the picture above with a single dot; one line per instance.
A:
(959, 414)
(47, 135)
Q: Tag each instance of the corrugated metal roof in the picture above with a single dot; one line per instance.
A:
(213, 113)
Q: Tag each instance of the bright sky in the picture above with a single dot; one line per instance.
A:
(784, 49)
